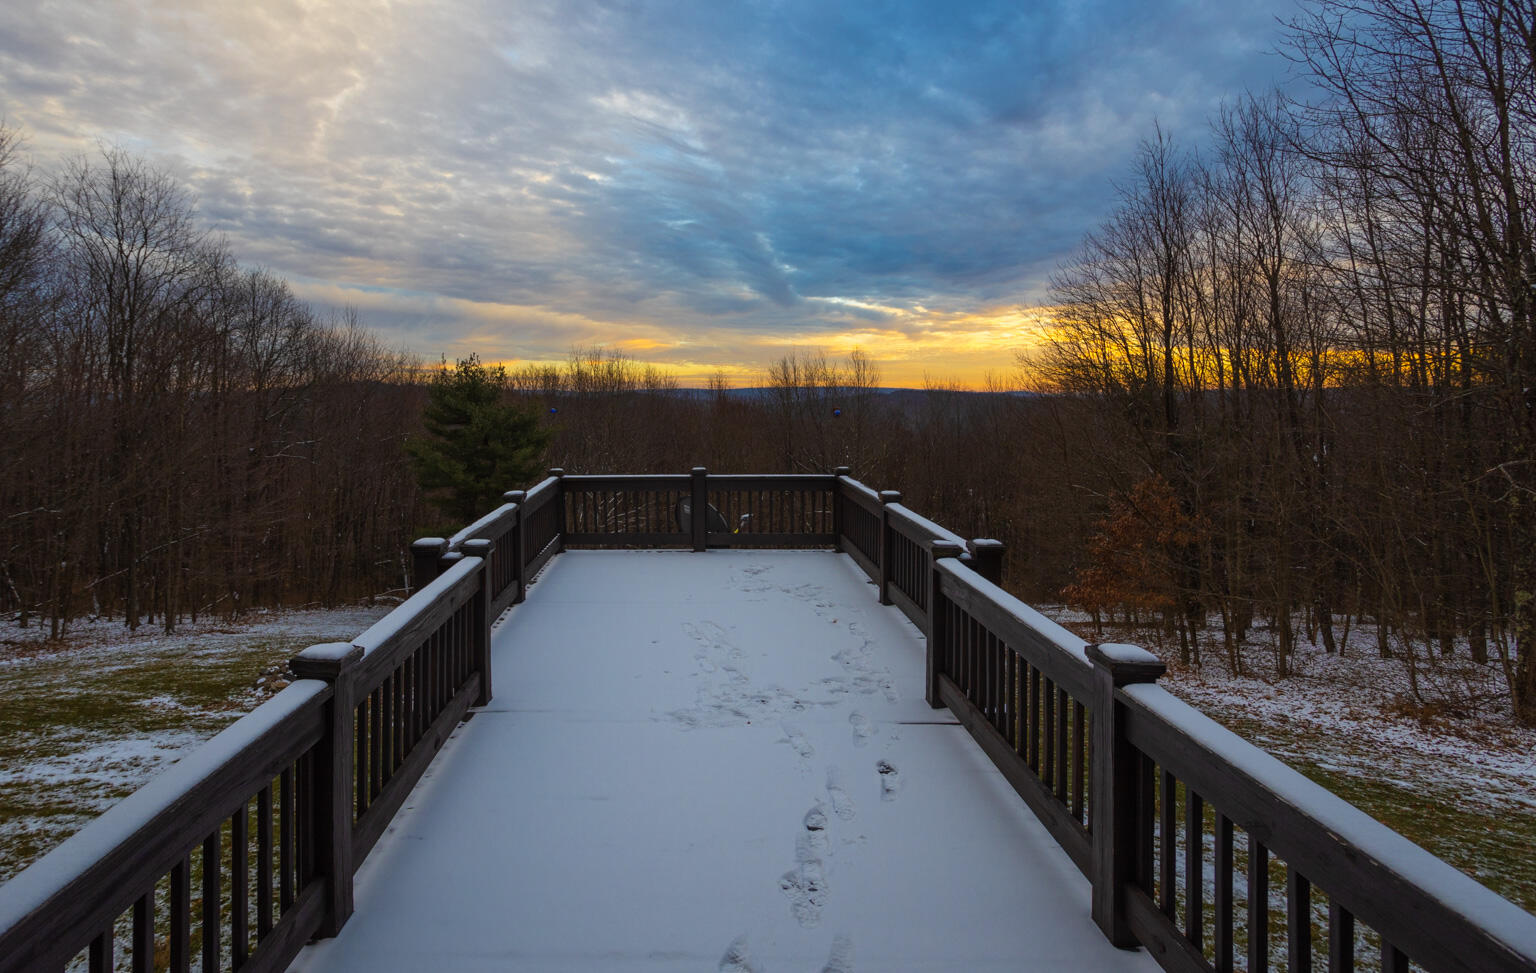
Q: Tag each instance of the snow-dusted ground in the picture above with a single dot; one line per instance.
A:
(86, 720)
(1436, 755)
(1355, 713)
(714, 762)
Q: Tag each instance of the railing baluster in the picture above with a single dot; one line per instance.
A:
(1048, 727)
(1167, 839)
(1032, 715)
(180, 906)
(144, 933)
(1194, 867)
(102, 956)
(239, 885)
(1393, 960)
(1298, 920)
(1080, 758)
(1341, 938)
(1061, 744)
(285, 859)
(264, 863)
(1222, 929)
(375, 744)
(1145, 821)
(360, 758)
(212, 918)
(1258, 906)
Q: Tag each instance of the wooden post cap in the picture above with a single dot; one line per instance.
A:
(843, 471)
(944, 548)
(982, 545)
(1126, 664)
(699, 471)
(434, 544)
(515, 496)
(325, 660)
(556, 472)
(479, 547)
(890, 496)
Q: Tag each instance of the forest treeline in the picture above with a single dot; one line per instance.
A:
(179, 435)
(1306, 355)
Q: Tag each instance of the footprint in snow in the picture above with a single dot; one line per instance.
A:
(813, 843)
(863, 729)
(890, 780)
(842, 804)
(806, 887)
(737, 959)
(840, 960)
(798, 740)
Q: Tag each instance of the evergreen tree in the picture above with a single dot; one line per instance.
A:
(477, 446)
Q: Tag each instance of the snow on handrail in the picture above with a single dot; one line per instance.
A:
(472, 531)
(919, 522)
(381, 632)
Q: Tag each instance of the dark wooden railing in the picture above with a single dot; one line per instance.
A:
(1187, 834)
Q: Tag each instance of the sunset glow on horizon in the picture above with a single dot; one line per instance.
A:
(702, 189)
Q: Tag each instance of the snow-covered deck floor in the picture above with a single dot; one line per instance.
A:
(714, 761)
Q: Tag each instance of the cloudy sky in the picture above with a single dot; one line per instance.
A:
(701, 184)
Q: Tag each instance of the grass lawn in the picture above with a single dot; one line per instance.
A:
(85, 722)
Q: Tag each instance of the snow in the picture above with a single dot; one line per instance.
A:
(1070, 644)
(48, 876)
(713, 761)
(859, 488)
(123, 705)
(924, 524)
(1452, 888)
(471, 532)
(332, 652)
(386, 628)
(1124, 653)
(1355, 713)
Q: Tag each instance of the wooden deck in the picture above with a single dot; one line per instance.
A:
(718, 761)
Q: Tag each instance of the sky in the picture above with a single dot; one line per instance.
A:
(703, 185)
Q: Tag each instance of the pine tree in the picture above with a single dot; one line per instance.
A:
(477, 446)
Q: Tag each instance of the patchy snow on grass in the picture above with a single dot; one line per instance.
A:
(1429, 744)
(87, 719)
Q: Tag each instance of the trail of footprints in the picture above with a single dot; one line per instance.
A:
(806, 884)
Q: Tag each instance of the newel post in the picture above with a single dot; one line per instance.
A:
(559, 502)
(887, 497)
(938, 620)
(987, 558)
(837, 505)
(1118, 818)
(513, 545)
(698, 507)
(425, 553)
(480, 637)
(333, 662)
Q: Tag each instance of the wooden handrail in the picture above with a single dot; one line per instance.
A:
(71, 896)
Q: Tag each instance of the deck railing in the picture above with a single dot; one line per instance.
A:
(1198, 846)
